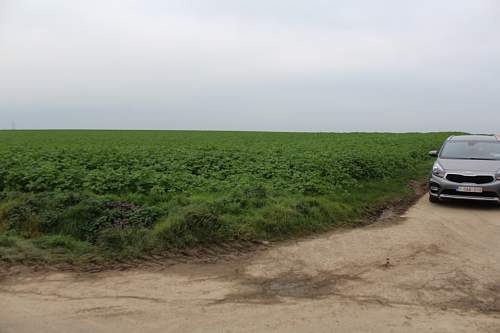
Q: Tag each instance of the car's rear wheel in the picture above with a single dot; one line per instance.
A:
(433, 199)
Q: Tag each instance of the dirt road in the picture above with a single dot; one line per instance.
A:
(443, 276)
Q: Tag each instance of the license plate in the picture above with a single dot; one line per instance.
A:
(471, 189)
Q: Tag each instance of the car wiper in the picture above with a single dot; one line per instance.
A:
(481, 159)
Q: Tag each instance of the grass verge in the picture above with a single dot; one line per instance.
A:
(79, 228)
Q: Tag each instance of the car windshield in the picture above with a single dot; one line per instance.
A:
(473, 150)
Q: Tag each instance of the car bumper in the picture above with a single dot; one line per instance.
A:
(444, 189)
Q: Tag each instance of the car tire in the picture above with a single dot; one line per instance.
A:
(433, 199)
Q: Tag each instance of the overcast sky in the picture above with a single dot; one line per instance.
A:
(288, 65)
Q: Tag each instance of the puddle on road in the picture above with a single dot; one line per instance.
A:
(290, 284)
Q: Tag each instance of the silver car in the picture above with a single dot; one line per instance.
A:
(467, 167)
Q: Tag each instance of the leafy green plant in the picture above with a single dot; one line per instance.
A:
(129, 192)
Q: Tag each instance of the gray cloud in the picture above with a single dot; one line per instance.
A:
(251, 65)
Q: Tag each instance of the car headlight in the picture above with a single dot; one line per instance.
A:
(438, 170)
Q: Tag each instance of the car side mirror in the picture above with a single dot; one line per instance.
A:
(433, 153)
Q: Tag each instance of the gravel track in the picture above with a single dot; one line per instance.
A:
(435, 269)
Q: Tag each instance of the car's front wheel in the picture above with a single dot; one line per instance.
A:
(433, 199)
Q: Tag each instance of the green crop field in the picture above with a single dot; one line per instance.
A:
(71, 195)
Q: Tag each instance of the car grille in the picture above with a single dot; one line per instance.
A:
(469, 179)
